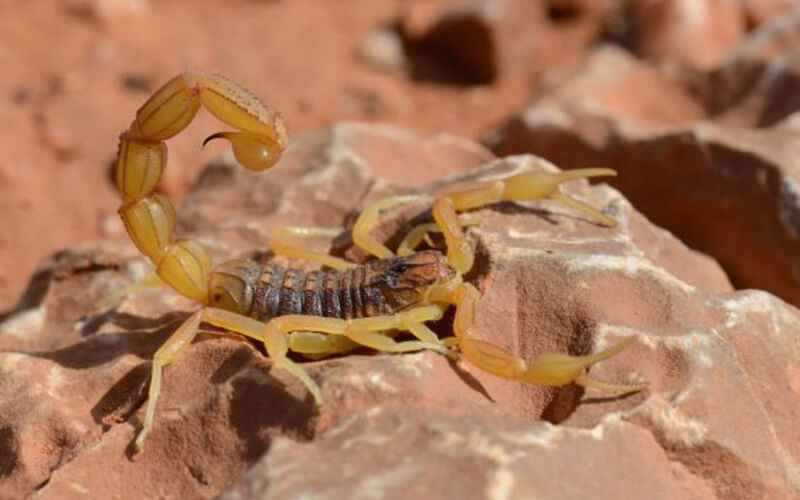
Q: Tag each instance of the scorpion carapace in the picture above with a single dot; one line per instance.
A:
(319, 313)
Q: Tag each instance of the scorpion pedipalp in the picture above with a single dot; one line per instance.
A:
(553, 369)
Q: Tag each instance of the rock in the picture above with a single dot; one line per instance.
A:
(612, 83)
(104, 11)
(717, 420)
(760, 12)
(383, 50)
(671, 31)
(480, 42)
(435, 455)
(757, 84)
(728, 192)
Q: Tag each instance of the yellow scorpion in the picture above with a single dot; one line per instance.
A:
(338, 309)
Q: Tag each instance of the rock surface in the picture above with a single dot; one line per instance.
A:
(730, 192)
(484, 41)
(718, 420)
(671, 31)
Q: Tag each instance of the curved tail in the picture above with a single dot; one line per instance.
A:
(258, 141)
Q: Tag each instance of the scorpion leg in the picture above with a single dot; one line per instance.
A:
(273, 337)
(317, 345)
(415, 236)
(553, 369)
(421, 232)
(165, 355)
(320, 344)
(275, 343)
(361, 331)
(282, 243)
(364, 331)
(367, 221)
(370, 217)
(527, 186)
(278, 334)
(550, 368)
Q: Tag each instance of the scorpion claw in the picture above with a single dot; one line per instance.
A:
(551, 369)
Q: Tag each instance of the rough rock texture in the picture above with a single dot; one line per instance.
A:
(718, 420)
(728, 191)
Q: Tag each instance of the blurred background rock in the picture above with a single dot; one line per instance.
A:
(707, 86)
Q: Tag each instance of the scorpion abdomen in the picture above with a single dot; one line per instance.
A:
(379, 287)
(332, 294)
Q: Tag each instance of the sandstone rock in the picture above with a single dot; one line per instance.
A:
(716, 422)
(693, 33)
(613, 84)
(728, 192)
(757, 84)
(480, 42)
(383, 50)
(763, 11)
(104, 11)
(396, 453)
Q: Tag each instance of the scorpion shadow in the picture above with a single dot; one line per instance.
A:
(139, 336)
(35, 292)
(258, 410)
(260, 405)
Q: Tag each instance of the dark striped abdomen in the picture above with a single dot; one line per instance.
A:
(333, 294)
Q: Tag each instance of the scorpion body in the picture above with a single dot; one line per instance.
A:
(379, 287)
(318, 313)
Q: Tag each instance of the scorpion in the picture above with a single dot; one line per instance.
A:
(342, 305)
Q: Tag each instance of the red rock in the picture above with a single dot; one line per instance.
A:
(728, 192)
(694, 33)
(613, 83)
(480, 42)
(383, 50)
(717, 420)
(764, 11)
(472, 455)
(756, 86)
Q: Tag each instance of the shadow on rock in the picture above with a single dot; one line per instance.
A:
(261, 406)
(101, 349)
